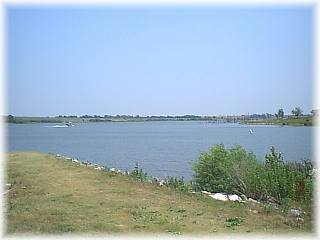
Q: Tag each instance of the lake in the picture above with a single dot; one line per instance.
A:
(160, 148)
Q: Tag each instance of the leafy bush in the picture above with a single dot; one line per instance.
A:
(229, 171)
(237, 171)
(287, 180)
(210, 170)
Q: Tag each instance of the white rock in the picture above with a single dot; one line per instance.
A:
(243, 197)
(294, 212)
(161, 183)
(253, 200)
(75, 161)
(254, 211)
(234, 197)
(206, 193)
(112, 169)
(219, 196)
(300, 220)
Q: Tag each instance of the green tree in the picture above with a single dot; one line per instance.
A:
(297, 111)
(11, 119)
(280, 113)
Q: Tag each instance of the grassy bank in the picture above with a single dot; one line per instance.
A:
(298, 121)
(51, 195)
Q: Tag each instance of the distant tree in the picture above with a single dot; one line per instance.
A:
(280, 113)
(314, 112)
(11, 119)
(297, 111)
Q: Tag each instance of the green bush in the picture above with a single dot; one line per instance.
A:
(210, 170)
(230, 171)
(237, 171)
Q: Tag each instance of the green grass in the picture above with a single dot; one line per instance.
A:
(51, 195)
(299, 121)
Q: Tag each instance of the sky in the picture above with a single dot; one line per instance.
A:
(158, 60)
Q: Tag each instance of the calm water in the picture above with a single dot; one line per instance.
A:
(161, 148)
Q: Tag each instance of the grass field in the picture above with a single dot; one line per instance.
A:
(51, 195)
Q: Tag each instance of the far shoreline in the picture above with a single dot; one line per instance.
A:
(287, 121)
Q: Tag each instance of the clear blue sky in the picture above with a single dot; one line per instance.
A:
(154, 61)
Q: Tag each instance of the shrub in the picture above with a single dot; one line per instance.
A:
(229, 171)
(211, 170)
(237, 171)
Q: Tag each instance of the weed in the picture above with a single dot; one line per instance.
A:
(234, 221)
(267, 208)
(138, 173)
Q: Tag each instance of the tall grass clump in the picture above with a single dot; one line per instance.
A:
(236, 170)
(138, 174)
(177, 183)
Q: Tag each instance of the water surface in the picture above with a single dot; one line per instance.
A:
(160, 148)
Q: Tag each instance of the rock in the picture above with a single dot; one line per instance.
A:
(161, 183)
(219, 196)
(272, 200)
(119, 171)
(244, 197)
(274, 206)
(253, 211)
(4, 193)
(206, 193)
(75, 161)
(234, 197)
(295, 213)
(67, 158)
(8, 185)
(112, 169)
(300, 220)
(253, 200)
(155, 180)
(58, 155)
